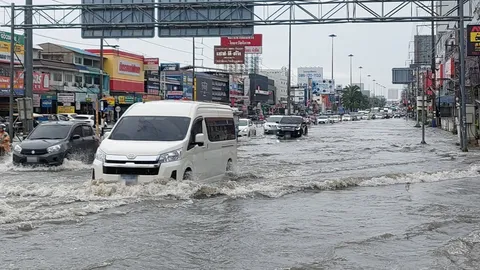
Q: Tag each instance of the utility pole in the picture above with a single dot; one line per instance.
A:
(332, 36)
(12, 72)
(289, 78)
(417, 91)
(435, 116)
(351, 71)
(463, 112)
(28, 75)
(193, 70)
(100, 91)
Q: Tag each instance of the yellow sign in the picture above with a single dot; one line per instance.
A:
(474, 36)
(66, 109)
(110, 101)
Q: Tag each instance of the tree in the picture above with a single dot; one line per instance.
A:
(353, 99)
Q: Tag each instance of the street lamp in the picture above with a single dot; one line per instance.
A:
(369, 85)
(332, 36)
(360, 68)
(374, 93)
(351, 57)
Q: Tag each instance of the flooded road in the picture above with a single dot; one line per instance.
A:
(358, 195)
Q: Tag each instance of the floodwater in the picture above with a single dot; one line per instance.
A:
(355, 195)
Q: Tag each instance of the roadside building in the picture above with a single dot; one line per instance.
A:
(73, 77)
(5, 70)
(127, 77)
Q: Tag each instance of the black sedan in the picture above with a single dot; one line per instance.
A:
(292, 127)
(53, 142)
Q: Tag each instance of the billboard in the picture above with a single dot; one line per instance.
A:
(423, 49)
(169, 66)
(112, 21)
(259, 88)
(229, 55)
(18, 84)
(311, 78)
(402, 75)
(220, 91)
(5, 38)
(152, 82)
(203, 88)
(150, 64)
(253, 44)
(219, 17)
(473, 40)
(41, 82)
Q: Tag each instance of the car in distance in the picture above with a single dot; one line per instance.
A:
(51, 143)
(271, 124)
(292, 127)
(246, 128)
(169, 139)
(324, 119)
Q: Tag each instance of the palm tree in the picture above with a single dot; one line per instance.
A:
(352, 98)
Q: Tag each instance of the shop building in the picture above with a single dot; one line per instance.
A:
(73, 77)
(5, 70)
(127, 77)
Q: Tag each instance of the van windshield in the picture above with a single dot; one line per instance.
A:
(151, 128)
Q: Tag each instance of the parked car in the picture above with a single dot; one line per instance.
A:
(90, 119)
(246, 128)
(292, 127)
(271, 124)
(51, 143)
(346, 117)
(181, 140)
(335, 118)
(323, 119)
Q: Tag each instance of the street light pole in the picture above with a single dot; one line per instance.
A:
(351, 71)
(332, 36)
(360, 68)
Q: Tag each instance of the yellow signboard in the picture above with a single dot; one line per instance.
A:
(474, 36)
(66, 109)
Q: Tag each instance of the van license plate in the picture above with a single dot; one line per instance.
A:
(129, 179)
(32, 159)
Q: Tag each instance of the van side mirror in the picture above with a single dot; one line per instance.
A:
(75, 137)
(200, 139)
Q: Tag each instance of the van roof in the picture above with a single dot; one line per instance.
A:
(172, 107)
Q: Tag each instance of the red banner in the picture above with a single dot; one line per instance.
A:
(18, 82)
(41, 82)
(255, 40)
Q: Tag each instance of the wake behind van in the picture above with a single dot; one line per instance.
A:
(168, 139)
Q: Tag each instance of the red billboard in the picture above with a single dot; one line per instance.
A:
(41, 82)
(228, 55)
(255, 40)
(151, 64)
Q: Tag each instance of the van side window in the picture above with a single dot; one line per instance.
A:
(197, 128)
(220, 129)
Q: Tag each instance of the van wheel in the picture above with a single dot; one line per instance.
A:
(188, 174)
(229, 167)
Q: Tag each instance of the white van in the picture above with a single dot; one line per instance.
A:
(168, 139)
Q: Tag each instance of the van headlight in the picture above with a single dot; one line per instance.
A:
(100, 155)
(298, 128)
(17, 148)
(170, 156)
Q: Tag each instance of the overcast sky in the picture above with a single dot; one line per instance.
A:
(376, 47)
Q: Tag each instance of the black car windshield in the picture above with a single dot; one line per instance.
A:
(151, 128)
(291, 120)
(51, 132)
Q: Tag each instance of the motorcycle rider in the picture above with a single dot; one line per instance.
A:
(4, 139)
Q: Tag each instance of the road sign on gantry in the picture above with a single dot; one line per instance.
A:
(205, 18)
(118, 18)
